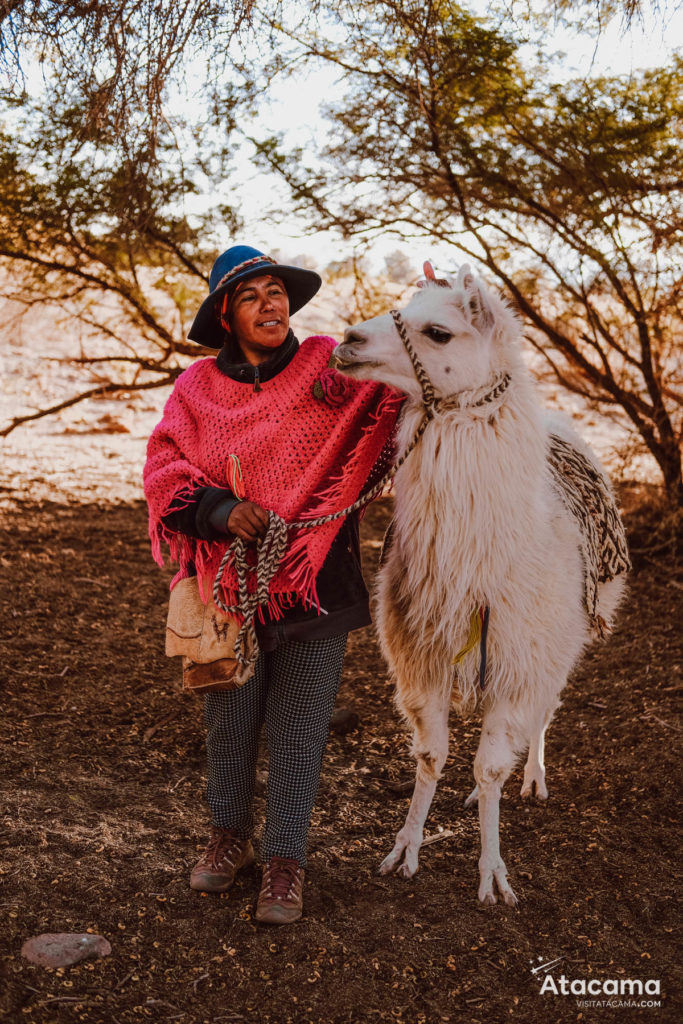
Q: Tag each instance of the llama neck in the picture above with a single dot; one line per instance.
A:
(467, 497)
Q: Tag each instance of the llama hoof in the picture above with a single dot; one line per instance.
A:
(406, 870)
(387, 865)
(534, 788)
(510, 899)
(504, 888)
(492, 880)
(402, 859)
(472, 798)
(392, 862)
(403, 870)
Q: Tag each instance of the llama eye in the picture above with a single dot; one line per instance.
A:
(438, 334)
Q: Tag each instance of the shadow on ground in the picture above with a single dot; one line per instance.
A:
(103, 774)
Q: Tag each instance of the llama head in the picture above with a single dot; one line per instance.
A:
(462, 333)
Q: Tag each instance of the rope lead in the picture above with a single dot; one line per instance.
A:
(271, 548)
(270, 552)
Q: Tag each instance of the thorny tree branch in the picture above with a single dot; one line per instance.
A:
(98, 392)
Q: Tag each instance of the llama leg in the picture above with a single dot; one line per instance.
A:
(534, 769)
(472, 798)
(494, 761)
(430, 747)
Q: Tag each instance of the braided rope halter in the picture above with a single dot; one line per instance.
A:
(431, 401)
(271, 548)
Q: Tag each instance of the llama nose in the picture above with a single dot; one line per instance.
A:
(352, 336)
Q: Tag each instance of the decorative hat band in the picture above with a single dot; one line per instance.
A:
(243, 266)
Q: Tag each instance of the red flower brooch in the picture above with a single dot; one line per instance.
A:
(331, 387)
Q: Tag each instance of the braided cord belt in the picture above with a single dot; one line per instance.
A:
(271, 548)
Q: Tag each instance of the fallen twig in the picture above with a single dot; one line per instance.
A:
(149, 732)
(428, 840)
(47, 714)
(70, 999)
(124, 980)
(648, 716)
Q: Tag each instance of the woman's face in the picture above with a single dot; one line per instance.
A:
(259, 317)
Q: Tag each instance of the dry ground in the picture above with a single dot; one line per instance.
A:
(102, 817)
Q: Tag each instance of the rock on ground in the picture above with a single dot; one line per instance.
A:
(61, 949)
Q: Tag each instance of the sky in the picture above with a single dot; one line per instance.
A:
(296, 111)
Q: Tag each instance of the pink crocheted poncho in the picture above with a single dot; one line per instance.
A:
(300, 455)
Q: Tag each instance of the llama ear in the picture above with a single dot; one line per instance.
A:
(475, 302)
(482, 317)
(431, 278)
(465, 278)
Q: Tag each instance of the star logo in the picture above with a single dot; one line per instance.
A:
(545, 966)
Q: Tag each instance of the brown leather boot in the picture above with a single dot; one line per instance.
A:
(281, 898)
(222, 859)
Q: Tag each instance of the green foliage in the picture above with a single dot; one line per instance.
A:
(99, 232)
(122, 58)
(569, 193)
(97, 176)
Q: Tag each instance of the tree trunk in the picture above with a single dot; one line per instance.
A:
(669, 462)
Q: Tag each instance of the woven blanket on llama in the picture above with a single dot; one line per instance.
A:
(588, 496)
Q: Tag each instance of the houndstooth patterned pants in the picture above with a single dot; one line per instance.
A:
(293, 691)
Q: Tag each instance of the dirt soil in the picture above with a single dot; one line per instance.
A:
(103, 815)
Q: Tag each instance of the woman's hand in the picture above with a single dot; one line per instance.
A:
(248, 521)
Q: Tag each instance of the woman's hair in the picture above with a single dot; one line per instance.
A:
(230, 344)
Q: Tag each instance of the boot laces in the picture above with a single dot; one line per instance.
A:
(222, 846)
(281, 877)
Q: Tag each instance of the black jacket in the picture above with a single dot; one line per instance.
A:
(344, 601)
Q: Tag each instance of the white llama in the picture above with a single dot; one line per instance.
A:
(482, 538)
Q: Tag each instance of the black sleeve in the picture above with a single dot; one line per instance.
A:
(206, 514)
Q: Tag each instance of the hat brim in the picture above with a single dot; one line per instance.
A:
(301, 285)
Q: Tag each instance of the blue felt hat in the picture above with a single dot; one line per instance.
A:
(238, 264)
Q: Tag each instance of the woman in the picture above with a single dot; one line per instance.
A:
(267, 425)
